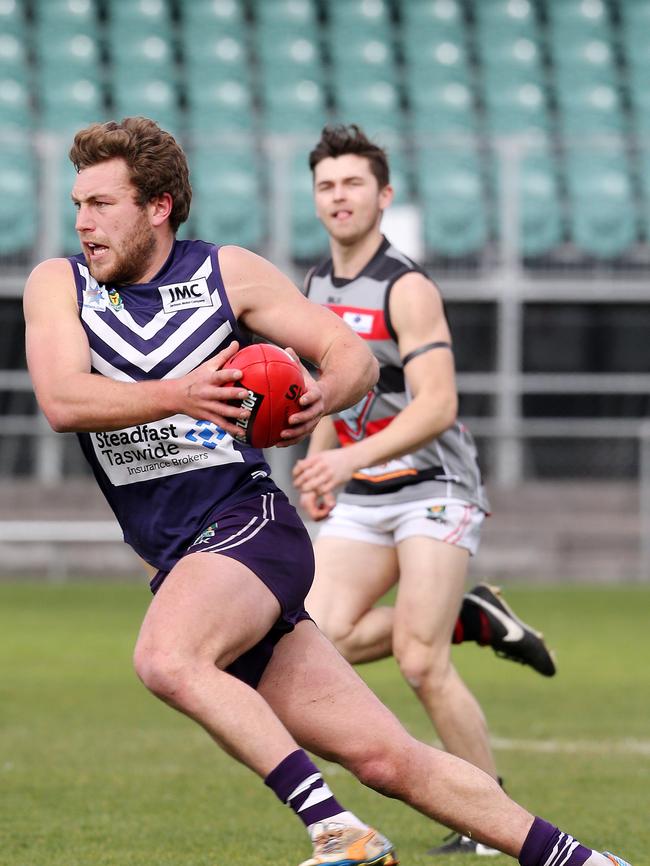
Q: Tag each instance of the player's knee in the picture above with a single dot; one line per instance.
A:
(422, 666)
(161, 672)
(338, 633)
(381, 769)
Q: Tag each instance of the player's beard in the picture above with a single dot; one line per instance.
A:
(132, 261)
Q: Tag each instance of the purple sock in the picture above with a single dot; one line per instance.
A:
(546, 845)
(299, 784)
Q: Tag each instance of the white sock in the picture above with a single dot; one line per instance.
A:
(347, 819)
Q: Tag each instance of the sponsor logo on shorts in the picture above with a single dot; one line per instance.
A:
(437, 513)
(207, 534)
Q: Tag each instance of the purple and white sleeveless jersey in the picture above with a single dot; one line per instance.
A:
(149, 473)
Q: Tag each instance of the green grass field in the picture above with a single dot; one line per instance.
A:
(93, 770)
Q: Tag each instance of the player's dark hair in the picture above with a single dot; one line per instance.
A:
(156, 162)
(339, 139)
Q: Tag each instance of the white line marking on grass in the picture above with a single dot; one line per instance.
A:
(553, 747)
(598, 747)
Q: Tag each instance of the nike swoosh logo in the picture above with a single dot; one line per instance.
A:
(514, 631)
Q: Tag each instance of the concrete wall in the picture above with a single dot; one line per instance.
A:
(541, 532)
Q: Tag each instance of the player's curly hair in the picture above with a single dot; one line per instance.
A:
(156, 162)
(339, 139)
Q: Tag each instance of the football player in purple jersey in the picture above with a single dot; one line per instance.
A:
(136, 370)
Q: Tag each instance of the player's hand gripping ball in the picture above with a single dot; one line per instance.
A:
(274, 382)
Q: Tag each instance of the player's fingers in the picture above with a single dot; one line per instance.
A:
(224, 355)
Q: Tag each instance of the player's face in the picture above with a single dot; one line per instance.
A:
(116, 235)
(348, 200)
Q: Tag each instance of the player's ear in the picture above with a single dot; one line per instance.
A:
(385, 196)
(160, 208)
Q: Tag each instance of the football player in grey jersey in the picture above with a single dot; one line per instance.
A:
(401, 502)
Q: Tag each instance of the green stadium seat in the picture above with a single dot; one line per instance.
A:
(220, 107)
(437, 60)
(288, 57)
(14, 61)
(508, 59)
(308, 237)
(635, 26)
(590, 109)
(541, 222)
(348, 18)
(536, 182)
(500, 18)
(217, 17)
(67, 215)
(72, 56)
(443, 108)
(602, 214)
(584, 61)
(401, 171)
(443, 18)
(71, 104)
(155, 98)
(515, 107)
(140, 57)
(640, 104)
(374, 105)
(452, 199)
(227, 204)
(570, 18)
(638, 63)
(15, 105)
(217, 58)
(294, 106)
(147, 17)
(12, 18)
(644, 176)
(286, 17)
(56, 18)
(366, 59)
(18, 197)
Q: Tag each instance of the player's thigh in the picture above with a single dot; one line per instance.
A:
(430, 592)
(209, 606)
(350, 577)
(323, 702)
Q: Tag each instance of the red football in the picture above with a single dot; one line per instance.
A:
(275, 383)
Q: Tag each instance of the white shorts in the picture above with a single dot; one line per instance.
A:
(450, 520)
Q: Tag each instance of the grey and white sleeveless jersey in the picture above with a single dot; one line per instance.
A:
(446, 466)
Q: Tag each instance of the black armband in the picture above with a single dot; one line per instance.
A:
(426, 348)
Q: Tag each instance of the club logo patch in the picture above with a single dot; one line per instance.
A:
(437, 513)
(207, 534)
(115, 300)
(95, 297)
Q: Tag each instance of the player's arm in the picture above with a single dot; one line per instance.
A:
(270, 305)
(74, 399)
(424, 342)
(323, 437)
(318, 505)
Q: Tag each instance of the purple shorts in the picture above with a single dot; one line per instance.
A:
(265, 534)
